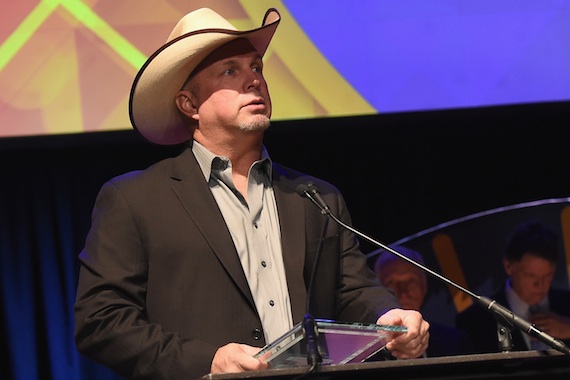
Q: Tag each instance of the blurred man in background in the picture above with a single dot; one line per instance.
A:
(410, 285)
(530, 263)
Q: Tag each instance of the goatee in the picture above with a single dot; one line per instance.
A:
(258, 123)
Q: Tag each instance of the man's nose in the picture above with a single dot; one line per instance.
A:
(253, 82)
(540, 283)
(402, 288)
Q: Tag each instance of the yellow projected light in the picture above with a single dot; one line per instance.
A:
(66, 66)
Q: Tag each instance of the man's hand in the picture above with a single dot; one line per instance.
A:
(553, 324)
(234, 357)
(412, 344)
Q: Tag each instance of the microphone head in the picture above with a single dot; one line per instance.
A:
(311, 191)
(312, 187)
(307, 189)
(301, 189)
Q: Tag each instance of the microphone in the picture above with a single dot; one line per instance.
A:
(501, 314)
(510, 320)
(311, 191)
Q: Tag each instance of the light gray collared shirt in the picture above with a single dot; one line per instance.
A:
(254, 228)
(522, 309)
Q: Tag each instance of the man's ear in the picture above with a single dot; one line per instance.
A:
(186, 104)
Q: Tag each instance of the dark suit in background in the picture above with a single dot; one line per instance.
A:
(482, 326)
(447, 341)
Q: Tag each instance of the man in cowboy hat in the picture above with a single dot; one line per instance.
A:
(195, 263)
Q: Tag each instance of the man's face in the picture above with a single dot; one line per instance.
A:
(530, 277)
(406, 280)
(229, 90)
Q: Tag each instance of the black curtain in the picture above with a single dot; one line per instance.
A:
(400, 173)
(49, 186)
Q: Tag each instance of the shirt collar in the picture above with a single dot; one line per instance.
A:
(209, 162)
(517, 305)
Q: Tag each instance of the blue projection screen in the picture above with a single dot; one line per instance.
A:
(421, 55)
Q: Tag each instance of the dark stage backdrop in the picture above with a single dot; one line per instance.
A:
(400, 174)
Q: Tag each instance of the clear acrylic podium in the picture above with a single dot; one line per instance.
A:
(338, 342)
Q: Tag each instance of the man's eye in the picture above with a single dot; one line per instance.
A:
(228, 72)
(256, 69)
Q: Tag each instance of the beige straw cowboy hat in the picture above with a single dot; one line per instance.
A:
(152, 108)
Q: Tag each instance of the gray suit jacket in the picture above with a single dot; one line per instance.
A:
(161, 286)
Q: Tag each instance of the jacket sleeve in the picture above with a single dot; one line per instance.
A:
(111, 325)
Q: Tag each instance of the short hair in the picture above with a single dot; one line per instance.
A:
(533, 238)
(386, 256)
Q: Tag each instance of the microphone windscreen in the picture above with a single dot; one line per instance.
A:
(301, 188)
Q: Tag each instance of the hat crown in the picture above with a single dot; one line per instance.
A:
(200, 19)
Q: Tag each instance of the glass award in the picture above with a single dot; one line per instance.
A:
(338, 343)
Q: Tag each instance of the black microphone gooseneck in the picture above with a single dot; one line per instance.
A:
(313, 354)
(314, 357)
(502, 315)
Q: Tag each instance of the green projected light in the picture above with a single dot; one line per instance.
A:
(24, 31)
(117, 42)
(85, 15)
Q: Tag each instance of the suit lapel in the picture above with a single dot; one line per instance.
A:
(193, 192)
(190, 187)
(292, 222)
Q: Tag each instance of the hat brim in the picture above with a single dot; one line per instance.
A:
(152, 107)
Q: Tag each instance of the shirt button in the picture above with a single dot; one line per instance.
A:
(256, 334)
(255, 225)
(263, 264)
(272, 303)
